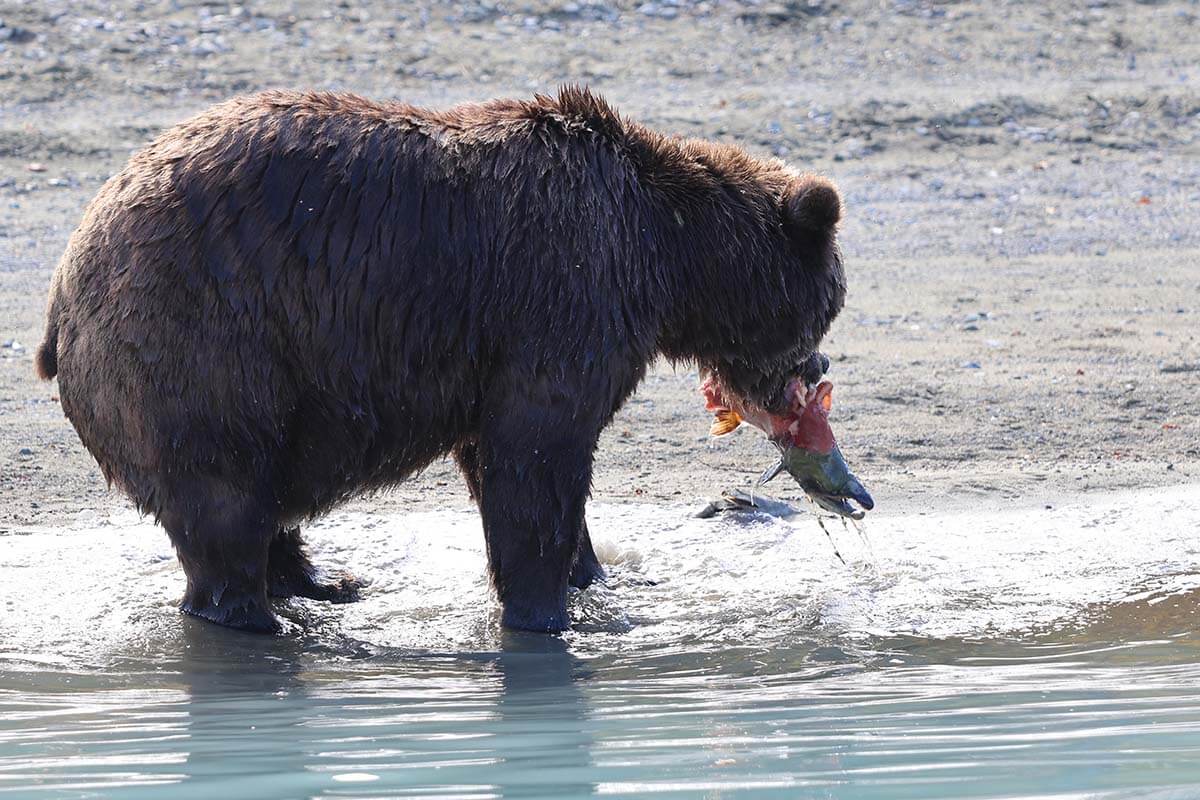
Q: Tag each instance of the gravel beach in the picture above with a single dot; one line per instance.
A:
(1021, 182)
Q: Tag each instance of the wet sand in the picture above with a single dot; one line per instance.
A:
(1021, 187)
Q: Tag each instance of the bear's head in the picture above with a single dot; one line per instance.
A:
(764, 278)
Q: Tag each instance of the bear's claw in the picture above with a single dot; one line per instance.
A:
(245, 614)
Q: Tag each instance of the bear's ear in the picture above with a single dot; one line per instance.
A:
(811, 206)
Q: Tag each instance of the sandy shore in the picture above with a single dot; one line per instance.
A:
(1022, 189)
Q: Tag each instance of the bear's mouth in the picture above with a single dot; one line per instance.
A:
(768, 386)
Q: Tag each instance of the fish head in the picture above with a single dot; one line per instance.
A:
(810, 454)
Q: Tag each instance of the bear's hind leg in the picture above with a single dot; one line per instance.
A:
(290, 573)
(221, 535)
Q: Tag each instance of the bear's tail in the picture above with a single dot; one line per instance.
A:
(46, 360)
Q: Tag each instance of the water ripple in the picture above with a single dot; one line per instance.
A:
(1023, 653)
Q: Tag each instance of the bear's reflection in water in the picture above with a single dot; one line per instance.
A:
(288, 715)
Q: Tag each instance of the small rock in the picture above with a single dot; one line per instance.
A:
(661, 10)
(970, 365)
(25, 451)
(13, 344)
(35, 166)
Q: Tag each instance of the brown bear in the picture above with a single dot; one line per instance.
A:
(298, 297)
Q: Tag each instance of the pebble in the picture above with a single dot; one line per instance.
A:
(660, 10)
(970, 365)
(13, 344)
(25, 451)
(11, 33)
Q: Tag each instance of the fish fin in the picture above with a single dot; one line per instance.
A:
(726, 422)
(824, 395)
(770, 474)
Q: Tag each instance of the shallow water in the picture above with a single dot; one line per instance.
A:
(1050, 653)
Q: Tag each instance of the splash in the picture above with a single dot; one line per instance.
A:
(936, 574)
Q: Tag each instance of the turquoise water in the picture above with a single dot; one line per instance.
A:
(1049, 653)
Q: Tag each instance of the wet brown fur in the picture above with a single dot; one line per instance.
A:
(295, 297)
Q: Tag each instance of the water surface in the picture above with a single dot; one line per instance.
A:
(1033, 652)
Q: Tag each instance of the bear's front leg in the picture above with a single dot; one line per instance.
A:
(586, 570)
(535, 473)
(290, 573)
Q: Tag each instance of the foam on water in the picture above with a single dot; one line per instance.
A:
(77, 595)
(1028, 652)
